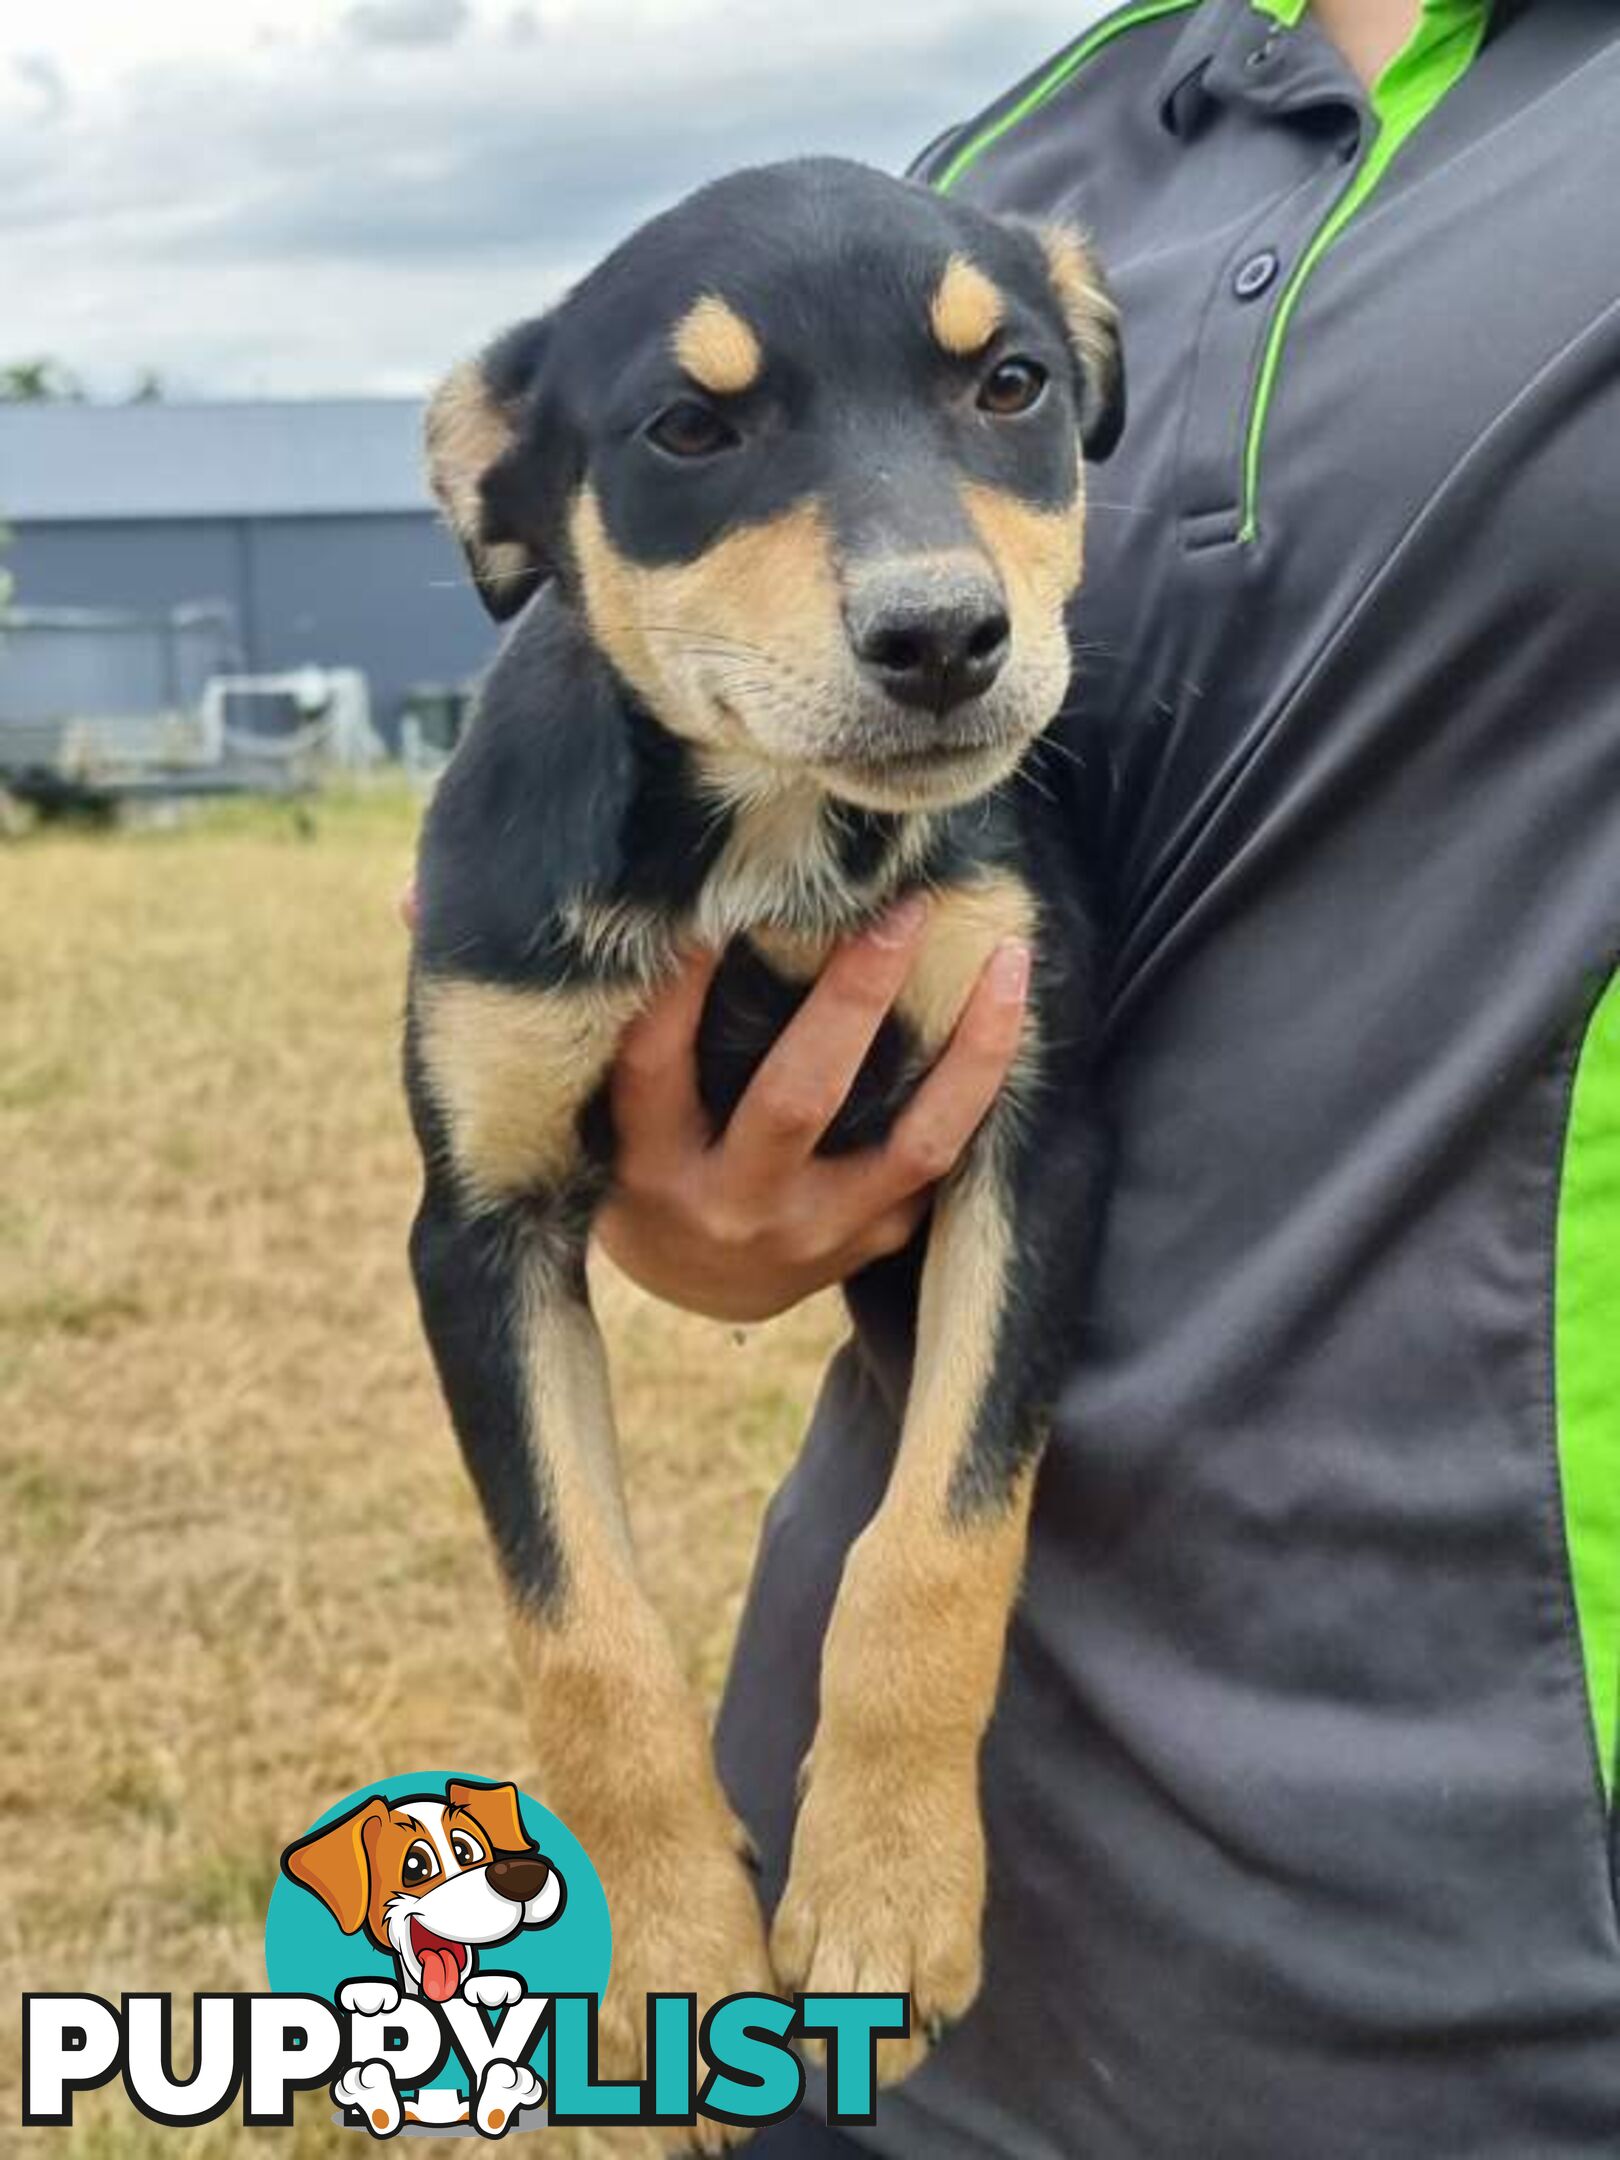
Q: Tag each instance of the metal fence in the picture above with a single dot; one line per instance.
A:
(84, 688)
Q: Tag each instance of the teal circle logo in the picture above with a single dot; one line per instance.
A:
(449, 1889)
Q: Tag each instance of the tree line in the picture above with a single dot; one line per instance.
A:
(48, 381)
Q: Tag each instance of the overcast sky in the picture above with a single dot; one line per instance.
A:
(304, 196)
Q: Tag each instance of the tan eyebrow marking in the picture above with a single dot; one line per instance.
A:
(967, 309)
(717, 348)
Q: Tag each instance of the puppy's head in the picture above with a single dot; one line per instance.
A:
(431, 1878)
(807, 454)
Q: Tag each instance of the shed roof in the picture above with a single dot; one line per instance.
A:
(283, 458)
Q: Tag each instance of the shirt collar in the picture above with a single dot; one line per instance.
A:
(1237, 52)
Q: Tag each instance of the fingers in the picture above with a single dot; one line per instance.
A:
(930, 1134)
(800, 1087)
(657, 1106)
(891, 1233)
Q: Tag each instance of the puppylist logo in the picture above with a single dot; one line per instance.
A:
(437, 1946)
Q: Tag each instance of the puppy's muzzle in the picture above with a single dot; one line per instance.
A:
(931, 645)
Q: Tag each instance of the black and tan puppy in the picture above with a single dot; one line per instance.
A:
(786, 499)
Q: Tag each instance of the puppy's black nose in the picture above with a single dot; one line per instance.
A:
(932, 651)
(519, 1879)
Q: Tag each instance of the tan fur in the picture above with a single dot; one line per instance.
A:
(762, 607)
(778, 858)
(965, 926)
(510, 1070)
(468, 431)
(887, 1883)
(645, 1801)
(623, 1757)
(795, 958)
(571, 1424)
(967, 309)
(717, 348)
(1087, 309)
(1039, 554)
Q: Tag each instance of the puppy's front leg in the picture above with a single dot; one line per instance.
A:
(886, 1884)
(498, 1080)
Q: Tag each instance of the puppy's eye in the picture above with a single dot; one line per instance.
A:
(467, 1850)
(420, 1863)
(1012, 387)
(689, 430)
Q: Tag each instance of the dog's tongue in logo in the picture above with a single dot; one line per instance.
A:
(442, 1962)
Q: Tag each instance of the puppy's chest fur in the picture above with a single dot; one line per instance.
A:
(590, 876)
(791, 875)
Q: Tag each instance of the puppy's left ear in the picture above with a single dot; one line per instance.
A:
(1092, 322)
(495, 1810)
(475, 453)
(336, 1864)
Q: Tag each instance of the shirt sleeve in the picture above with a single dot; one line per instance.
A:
(930, 163)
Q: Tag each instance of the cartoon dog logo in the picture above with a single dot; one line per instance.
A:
(431, 1879)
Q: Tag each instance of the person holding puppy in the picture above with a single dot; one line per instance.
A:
(1302, 1788)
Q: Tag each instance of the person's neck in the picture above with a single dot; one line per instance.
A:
(1368, 32)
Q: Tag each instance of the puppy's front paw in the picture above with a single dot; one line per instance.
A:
(369, 1998)
(492, 1990)
(885, 1893)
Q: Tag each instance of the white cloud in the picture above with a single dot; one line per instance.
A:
(406, 22)
(255, 202)
(39, 73)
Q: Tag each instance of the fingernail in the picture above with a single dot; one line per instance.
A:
(1009, 972)
(901, 924)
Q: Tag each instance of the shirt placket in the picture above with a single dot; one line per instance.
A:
(1261, 74)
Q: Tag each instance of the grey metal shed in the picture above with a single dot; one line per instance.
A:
(310, 520)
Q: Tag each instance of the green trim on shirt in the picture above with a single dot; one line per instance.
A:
(1060, 72)
(1587, 1351)
(1434, 60)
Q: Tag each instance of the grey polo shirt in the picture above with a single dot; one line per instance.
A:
(1301, 1792)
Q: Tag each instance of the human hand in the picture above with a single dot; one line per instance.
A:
(744, 1226)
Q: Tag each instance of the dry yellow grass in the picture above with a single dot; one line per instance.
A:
(241, 1572)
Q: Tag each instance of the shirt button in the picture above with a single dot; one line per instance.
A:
(1254, 276)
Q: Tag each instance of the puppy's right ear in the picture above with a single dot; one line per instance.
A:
(474, 423)
(336, 1864)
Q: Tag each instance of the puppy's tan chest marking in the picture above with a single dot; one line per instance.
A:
(510, 1071)
(966, 925)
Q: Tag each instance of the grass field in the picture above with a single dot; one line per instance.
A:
(241, 1573)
